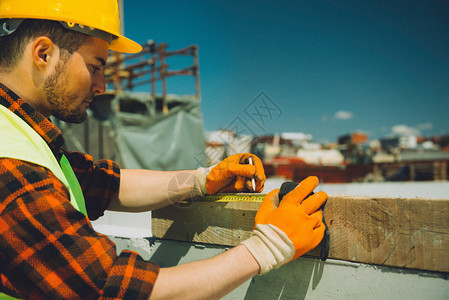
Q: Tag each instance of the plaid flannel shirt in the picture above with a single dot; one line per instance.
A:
(48, 250)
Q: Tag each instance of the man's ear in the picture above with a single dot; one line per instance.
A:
(43, 52)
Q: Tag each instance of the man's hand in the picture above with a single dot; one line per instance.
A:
(233, 174)
(286, 231)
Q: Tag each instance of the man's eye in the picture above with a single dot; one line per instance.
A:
(95, 69)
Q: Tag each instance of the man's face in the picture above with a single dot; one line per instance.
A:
(75, 80)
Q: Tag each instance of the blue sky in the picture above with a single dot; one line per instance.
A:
(330, 67)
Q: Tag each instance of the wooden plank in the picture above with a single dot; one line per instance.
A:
(409, 233)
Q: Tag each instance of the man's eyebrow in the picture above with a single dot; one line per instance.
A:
(101, 60)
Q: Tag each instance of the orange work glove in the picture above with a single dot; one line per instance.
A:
(286, 231)
(233, 174)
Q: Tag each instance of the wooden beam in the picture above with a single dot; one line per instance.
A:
(409, 233)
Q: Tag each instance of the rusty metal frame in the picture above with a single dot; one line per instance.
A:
(124, 72)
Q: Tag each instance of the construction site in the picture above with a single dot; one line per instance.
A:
(262, 208)
(384, 245)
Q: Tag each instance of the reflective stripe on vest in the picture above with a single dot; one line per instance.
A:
(20, 141)
(6, 297)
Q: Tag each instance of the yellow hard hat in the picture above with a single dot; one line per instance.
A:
(87, 16)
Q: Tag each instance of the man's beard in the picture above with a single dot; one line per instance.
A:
(59, 99)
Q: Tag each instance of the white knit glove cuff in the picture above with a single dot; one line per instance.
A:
(270, 246)
(200, 181)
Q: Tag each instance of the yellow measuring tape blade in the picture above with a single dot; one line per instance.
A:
(240, 197)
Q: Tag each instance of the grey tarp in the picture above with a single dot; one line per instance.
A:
(156, 141)
(145, 139)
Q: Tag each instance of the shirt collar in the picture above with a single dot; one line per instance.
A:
(43, 126)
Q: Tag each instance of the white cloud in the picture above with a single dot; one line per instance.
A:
(404, 129)
(343, 115)
(425, 126)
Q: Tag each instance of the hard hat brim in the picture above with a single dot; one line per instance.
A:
(125, 45)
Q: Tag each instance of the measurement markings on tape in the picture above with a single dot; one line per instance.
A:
(235, 198)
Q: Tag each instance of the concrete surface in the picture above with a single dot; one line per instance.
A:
(305, 278)
(407, 189)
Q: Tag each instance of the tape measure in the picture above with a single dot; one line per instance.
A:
(240, 197)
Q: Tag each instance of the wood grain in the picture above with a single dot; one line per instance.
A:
(409, 233)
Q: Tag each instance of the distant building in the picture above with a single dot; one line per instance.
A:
(322, 157)
(269, 146)
(399, 142)
(354, 148)
(383, 157)
(297, 138)
(435, 142)
(223, 143)
(355, 138)
(284, 144)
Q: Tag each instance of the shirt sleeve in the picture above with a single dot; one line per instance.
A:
(99, 181)
(48, 250)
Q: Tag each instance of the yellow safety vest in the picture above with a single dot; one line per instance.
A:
(19, 141)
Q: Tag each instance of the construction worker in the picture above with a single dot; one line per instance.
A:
(52, 56)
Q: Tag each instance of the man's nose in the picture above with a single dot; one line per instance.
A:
(99, 85)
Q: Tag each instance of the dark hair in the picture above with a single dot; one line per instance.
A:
(12, 46)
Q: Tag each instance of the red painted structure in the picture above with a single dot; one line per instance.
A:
(295, 169)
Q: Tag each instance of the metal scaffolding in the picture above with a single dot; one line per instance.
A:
(124, 72)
